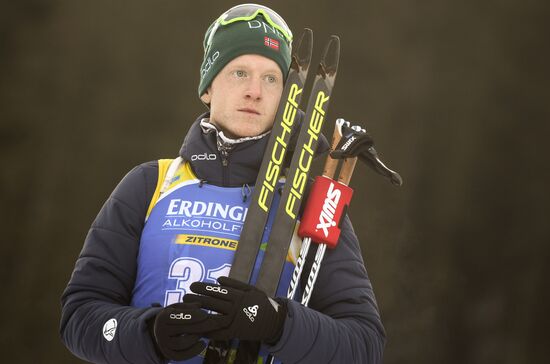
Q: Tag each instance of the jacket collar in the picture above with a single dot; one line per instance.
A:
(226, 162)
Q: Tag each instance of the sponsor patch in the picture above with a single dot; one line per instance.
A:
(209, 241)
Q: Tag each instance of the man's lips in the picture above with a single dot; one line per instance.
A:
(249, 111)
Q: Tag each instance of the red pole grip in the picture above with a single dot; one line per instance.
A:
(325, 208)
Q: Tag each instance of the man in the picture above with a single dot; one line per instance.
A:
(167, 235)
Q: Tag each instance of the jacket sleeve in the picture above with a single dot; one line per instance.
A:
(342, 324)
(100, 288)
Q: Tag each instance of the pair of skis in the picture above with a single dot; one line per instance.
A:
(329, 199)
(292, 194)
(349, 143)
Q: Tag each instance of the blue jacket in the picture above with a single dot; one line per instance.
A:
(341, 324)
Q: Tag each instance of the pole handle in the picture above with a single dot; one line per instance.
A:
(347, 170)
(331, 164)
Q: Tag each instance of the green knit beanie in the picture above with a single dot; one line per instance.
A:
(236, 39)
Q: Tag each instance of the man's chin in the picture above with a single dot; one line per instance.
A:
(247, 128)
(241, 135)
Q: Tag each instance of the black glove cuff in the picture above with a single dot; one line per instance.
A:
(151, 329)
(281, 318)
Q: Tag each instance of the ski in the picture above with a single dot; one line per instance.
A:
(274, 155)
(293, 190)
(268, 176)
(296, 179)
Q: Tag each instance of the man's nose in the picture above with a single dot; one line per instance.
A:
(254, 89)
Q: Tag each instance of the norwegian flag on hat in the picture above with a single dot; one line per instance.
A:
(271, 43)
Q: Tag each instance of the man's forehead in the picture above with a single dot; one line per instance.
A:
(255, 61)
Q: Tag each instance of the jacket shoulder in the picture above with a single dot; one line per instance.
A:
(142, 179)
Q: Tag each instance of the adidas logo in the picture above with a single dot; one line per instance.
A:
(251, 312)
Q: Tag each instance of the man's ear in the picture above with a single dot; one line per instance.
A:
(206, 97)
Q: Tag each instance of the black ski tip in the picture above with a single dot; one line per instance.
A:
(329, 61)
(302, 50)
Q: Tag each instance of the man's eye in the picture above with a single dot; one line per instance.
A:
(271, 79)
(240, 73)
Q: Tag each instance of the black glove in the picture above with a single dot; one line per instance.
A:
(242, 312)
(170, 334)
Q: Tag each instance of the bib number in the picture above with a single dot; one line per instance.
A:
(188, 270)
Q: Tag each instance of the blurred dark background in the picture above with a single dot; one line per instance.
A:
(454, 92)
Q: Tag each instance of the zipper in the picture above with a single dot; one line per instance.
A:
(224, 153)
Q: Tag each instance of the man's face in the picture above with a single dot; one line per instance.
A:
(244, 96)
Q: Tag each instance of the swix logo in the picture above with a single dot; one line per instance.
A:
(326, 218)
(216, 289)
(209, 62)
(251, 312)
(348, 143)
(180, 316)
(204, 157)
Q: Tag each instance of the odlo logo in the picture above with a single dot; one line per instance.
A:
(216, 289)
(204, 157)
(251, 312)
(180, 316)
(209, 62)
(326, 219)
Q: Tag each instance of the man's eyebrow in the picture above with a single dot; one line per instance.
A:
(273, 70)
(245, 65)
(238, 66)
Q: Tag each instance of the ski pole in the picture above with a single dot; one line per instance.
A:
(343, 178)
(328, 171)
(329, 199)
